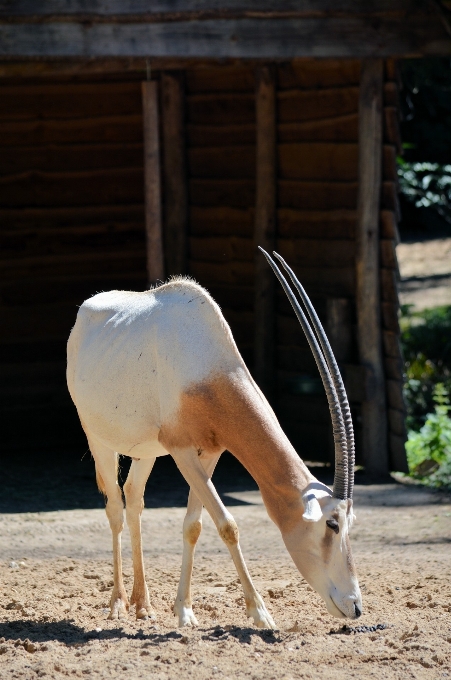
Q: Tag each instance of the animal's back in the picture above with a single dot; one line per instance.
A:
(131, 356)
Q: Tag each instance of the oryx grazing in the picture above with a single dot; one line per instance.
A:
(158, 372)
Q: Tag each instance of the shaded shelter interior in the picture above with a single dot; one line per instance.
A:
(72, 224)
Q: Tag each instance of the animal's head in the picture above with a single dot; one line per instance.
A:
(320, 548)
(318, 541)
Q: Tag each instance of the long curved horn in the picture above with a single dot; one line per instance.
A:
(339, 432)
(333, 369)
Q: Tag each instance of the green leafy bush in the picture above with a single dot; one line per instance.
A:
(429, 450)
(426, 341)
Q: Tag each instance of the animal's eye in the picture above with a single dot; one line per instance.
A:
(333, 524)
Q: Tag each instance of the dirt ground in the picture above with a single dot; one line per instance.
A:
(55, 573)
(425, 268)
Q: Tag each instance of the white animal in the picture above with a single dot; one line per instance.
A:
(158, 372)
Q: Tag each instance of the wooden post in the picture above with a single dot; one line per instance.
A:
(374, 412)
(152, 182)
(265, 227)
(174, 168)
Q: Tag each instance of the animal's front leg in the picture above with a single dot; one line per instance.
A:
(191, 468)
(192, 527)
(134, 492)
(106, 470)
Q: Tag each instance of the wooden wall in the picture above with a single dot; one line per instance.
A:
(72, 224)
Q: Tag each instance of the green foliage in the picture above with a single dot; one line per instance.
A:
(429, 450)
(427, 185)
(426, 341)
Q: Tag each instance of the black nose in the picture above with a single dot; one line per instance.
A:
(358, 612)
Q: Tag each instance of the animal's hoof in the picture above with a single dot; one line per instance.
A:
(186, 617)
(262, 618)
(118, 610)
(145, 613)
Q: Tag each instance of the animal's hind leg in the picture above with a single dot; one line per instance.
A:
(140, 470)
(106, 462)
(192, 526)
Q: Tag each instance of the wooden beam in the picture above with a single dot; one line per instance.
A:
(219, 34)
(374, 414)
(174, 167)
(265, 227)
(152, 182)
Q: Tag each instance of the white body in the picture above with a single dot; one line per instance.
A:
(158, 372)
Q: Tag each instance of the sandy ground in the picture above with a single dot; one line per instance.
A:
(53, 604)
(425, 268)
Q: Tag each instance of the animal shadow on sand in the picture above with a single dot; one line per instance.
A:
(68, 633)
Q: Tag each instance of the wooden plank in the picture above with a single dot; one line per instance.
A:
(392, 344)
(391, 94)
(395, 395)
(390, 319)
(390, 200)
(320, 224)
(374, 416)
(221, 249)
(265, 227)
(231, 273)
(300, 105)
(392, 132)
(232, 78)
(69, 217)
(63, 101)
(389, 286)
(394, 368)
(96, 187)
(389, 226)
(389, 166)
(233, 297)
(69, 158)
(315, 73)
(220, 109)
(317, 253)
(99, 130)
(413, 34)
(174, 164)
(233, 162)
(152, 182)
(388, 254)
(232, 193)
(397, 422)
(317, 195)
(242, 134)
(220, 221)
(337, 129)
(318, 161)
(339, 328)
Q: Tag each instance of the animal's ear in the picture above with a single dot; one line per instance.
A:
(312, 509)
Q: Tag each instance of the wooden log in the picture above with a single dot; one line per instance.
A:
(389, 163)
(220, 109)
(320, 224)
(374, 415)
(126, 129)
(221, 249)
(317, 195)
(389, 226)
(265, 227)
(231, 192)
(152, 182)
(317, 253)
(220, 221)
(59, 218)
(318, 73)
(174, 164)
(339, 328)
(395, 395)
(234, 162)
(299, 105)
(389, 286)
(338, 129)
(231, 273)
(69, 158)
(391, 94)
(221, 135)
(390, 316)
(394, 368)
(392, 132)
(388, 258)
(71, 189)
(392, 345)
(390, 200)
(234, 297)
(318, 161)
(63, 101)
(397, 422)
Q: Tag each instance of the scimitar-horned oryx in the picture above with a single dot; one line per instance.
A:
(158, 372)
